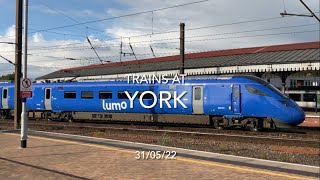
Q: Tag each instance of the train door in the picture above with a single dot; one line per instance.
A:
(0, 97)
(4, 99)
(236, 99)
(47, 98)
(197, 99)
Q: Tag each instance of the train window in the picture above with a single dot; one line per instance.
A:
(295, 97)
(145, 96)
(122, 95)
(309, 97)
(48, 93)
(276, 90)
(197, 93)
(70, 95)
(87, 94)
(165, 96)
(255, 91)
(105, 95)
(5, 94)
(236, 92)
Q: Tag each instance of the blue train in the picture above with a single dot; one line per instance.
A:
(221, 101)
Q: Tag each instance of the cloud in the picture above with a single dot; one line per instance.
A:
(84, 13)
(33, 71)
(37, 38)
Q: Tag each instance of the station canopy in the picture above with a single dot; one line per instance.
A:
(287, 57)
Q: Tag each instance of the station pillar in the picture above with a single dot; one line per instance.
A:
(283, 76)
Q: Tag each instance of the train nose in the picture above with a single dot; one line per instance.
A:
(298, 116)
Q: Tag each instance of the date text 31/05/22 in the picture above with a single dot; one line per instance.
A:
(156, 155)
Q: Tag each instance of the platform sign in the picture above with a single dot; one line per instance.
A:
(26, 88)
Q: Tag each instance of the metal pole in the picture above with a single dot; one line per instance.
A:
(182, 25)
(317, 101)
(24, 114)
(17, 77)
(314, 15)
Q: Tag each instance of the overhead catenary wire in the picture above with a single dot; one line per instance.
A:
(284, 6)
(94, 50)
(160, 42)
(236, 37)
(69, 17)
(159, 9)
(313, 13)
(104, 58)
(117, 17)
(171, 42)
(132, 51)
(175, 42)
(74, 45)
(7, 60)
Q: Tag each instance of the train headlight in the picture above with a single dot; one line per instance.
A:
(284, 103)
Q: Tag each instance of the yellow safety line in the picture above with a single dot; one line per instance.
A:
(189, 160)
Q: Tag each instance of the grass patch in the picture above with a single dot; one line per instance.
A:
(164, 140)
(100, 133)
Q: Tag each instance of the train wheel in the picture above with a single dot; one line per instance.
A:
(216, 124)
(256, 125)
(4, 114)
(66, 117)
(63, 117)
(45, 116)
(70, 120)
(254, 129)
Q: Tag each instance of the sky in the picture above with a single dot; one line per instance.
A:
(58, 30)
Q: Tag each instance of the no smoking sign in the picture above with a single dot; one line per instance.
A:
(26, 88)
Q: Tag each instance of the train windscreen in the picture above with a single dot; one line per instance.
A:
(265, 83)
(276, 90)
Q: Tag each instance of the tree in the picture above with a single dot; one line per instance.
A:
(8, 77)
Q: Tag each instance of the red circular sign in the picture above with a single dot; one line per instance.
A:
(26, 83)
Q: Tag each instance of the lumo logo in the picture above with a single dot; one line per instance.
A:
(114, 106)
(165, 96)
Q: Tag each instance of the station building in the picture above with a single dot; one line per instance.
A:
(285, 66)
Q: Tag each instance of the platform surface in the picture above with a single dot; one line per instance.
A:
(48, 158)
(312, 120)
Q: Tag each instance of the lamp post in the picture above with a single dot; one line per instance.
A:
(24, 113)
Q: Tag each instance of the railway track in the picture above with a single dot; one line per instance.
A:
(190, 127)
(188, 132)
(297, 130)
(279, 138)
(303, 148)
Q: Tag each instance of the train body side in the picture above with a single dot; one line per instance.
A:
(115, 103)
(231, 98)
(215, 99)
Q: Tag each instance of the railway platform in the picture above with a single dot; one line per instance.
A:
(312, 120)
(61, 156)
